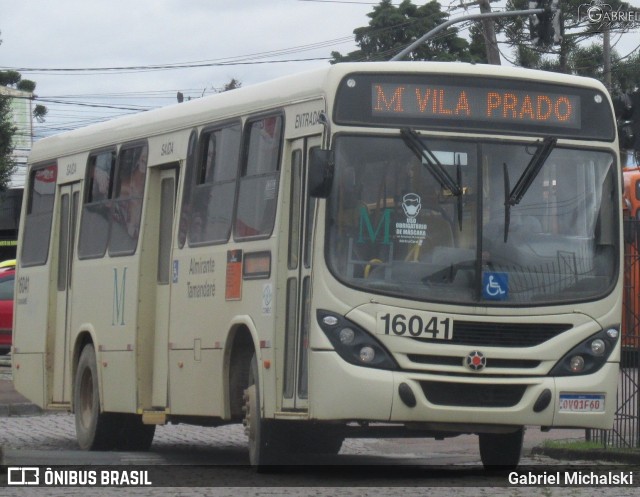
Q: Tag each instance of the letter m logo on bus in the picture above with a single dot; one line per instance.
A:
(117, 315)
(365, 222)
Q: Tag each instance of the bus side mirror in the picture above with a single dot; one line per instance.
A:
(321, 167)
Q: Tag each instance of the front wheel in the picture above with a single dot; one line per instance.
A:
(264, 449)
(314, 439)
(94, 429)
(501, 450)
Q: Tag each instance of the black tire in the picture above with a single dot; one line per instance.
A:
(264, 449)
(326, 443)
(314, 439)
(94, 429)
(133, 434)
(501, 451)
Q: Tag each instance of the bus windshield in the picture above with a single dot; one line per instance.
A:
(440, 226)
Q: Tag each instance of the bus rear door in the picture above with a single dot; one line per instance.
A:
(68, 216)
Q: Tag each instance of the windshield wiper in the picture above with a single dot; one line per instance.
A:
(513, 197)
(435, 167)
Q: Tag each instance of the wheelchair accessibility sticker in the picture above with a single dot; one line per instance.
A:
(495, 286)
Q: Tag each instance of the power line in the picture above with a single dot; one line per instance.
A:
(342, 1)
(103, 106)
(137, 69)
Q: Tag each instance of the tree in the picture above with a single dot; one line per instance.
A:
(231, 85)
(7, 130)
(13, 79)
(626, 73)
(580, 51)
(392, 28)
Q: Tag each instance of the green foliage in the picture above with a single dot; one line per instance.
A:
(231, 85)
(40, 112)
(26, 85)
(12, 79)
(9, 78)
(392, 28)
(626, 73)
(581, 49)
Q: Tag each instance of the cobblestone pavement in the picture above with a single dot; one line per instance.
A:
(46, 438)
(47, 435)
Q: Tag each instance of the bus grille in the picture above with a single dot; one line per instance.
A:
(472, 395)
(502, 334)
(435, 360)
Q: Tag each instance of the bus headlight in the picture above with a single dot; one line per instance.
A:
(346, 336)
(367, 354)
(354, 344)
(588, 356)
(576, 363)
(598, 347)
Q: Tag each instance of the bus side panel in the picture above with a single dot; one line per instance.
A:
(105, 292)
(118, 390)
(195, 377)
(29, 377)
(30, 333)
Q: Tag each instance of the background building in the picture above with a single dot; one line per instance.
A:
(11, 199)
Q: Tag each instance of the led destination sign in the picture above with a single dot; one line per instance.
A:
(472, 103)
(480, 104)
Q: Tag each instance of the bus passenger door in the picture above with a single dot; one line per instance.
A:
(67, 221)
(298, 285)
(168, 184)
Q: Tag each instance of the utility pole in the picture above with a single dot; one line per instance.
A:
(606, 54)
(490, 41)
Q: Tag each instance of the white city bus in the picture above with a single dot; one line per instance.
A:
(379, 249)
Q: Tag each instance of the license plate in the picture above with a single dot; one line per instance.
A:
(578, 402)
(415, 324)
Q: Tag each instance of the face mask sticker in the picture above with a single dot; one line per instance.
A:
(410, 230)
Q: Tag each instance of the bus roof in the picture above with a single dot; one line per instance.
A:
(260, 97)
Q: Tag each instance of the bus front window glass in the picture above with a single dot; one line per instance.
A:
(396, 227)
(560, 239)
(258, 192)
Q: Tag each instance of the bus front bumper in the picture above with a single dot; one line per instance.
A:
(341, 391)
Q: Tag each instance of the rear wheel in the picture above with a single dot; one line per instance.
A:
(501, 450)
(94, 429)
(133, 434)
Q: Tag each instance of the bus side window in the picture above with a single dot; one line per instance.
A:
(126, 207)
(213, 196)
(94, 226)
(37, 225)
(258, 192)
(185, 212)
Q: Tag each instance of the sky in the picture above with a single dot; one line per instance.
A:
(249, 40)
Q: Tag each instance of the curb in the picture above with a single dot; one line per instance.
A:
(20, 409)
(607, 455)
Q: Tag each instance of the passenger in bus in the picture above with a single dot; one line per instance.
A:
(128, 207)
(100, 180)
